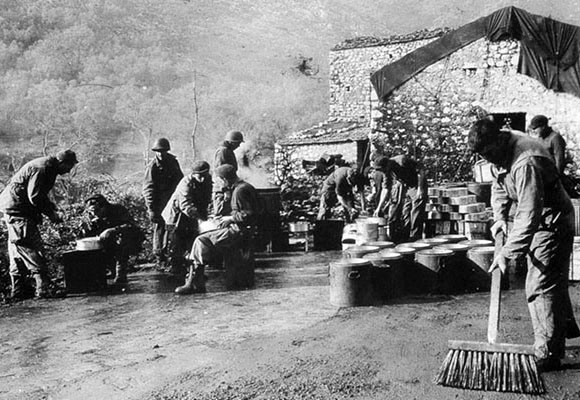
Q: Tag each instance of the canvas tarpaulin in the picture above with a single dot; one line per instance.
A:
(549, 50)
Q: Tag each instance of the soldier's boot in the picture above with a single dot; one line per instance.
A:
(194, 282)
(18, 291)
(42, 289)
(120, 274)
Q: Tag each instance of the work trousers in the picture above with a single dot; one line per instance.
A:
(406, 213)
(328, 199)
(25, 248)
(180, 241)
(160, 239)
(547, 291)
(210, 246)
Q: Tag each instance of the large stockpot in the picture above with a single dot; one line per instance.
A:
(351, 282)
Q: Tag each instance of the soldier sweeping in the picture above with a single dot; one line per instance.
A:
(24, 201)
(161, 178)
(543, 231)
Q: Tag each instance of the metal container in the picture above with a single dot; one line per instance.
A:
(328, 234)
(434, 241)
(359, 251)
(453, 238)
(432, 275)
(89, 244)
(387, 274)
(299, 226)
(477, 243)
(85, 271)
(367, 229)
(351, 283)
(481, 259)
(382, 245)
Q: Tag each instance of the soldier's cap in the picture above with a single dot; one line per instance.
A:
(227, 172)
(96, 199)
(67, 156)
(539, 120)
(200, 167)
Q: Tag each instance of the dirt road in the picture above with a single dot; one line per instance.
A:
(281, 340)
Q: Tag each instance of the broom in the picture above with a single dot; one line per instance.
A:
(491, 366)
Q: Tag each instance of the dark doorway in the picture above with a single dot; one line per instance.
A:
(515, 121)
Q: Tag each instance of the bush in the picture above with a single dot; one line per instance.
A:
(69, 194)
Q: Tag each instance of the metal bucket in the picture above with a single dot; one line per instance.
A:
(367, 229)
(477, 243)
(351, 283)
(453, 238)
(432, 275)
(382, 245)
(387, 274)
(348, 240)
(359, 251)
(480, 259)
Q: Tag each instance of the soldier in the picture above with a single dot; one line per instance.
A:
(224, 155)
(188, 204)
(113, 224)
(551, 139)
(24, 201)
(543, 231)
(404, 191)
(161, 178)
(234, 230)
(338, 187)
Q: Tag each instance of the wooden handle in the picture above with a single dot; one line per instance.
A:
(495, 298)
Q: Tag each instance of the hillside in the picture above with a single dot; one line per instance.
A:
(107, 76)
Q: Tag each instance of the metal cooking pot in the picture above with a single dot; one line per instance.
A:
(89, 243)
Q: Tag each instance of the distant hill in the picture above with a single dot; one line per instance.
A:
(258, 65)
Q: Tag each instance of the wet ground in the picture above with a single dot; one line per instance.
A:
(279, 340)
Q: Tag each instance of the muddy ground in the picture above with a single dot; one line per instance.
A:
(280, 340)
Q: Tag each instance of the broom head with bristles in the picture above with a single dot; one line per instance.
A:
(498, 367)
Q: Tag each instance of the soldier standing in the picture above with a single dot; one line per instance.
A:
(161, 178)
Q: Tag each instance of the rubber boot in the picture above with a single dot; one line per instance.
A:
(194, 282)
(120, 275)
(549, 323)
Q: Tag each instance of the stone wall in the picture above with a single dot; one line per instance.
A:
(350, 71)
(429, 115)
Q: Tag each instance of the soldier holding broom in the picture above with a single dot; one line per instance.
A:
(543, 231)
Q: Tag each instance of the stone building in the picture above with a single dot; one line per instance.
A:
(419, 93)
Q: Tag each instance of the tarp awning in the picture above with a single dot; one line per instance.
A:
(549, 50)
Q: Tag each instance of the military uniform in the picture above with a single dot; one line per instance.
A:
(338, 183)
(187, 205)
(543, 231)
(161, 179)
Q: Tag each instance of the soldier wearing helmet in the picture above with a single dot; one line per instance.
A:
(161, 178)
(224, 155)
(225, 152)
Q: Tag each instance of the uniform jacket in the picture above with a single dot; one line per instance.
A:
(337, 182)
(190, 200)
(161, 179)
(245, 204)
(26, 195)
(116, 216)
(530, 181)
(556, 145)
(225, 155)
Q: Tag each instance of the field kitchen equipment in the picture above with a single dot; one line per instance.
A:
(301, 230)
(85, 268)
(351, 283)
(270, 233)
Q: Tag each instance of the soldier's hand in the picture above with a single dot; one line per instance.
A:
(499, 262)
(497, 227)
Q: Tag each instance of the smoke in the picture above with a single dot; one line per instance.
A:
(248, 167)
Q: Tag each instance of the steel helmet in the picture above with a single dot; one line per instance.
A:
(161, 144)
(234, 136)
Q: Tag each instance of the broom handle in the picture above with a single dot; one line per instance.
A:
(495, 298)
